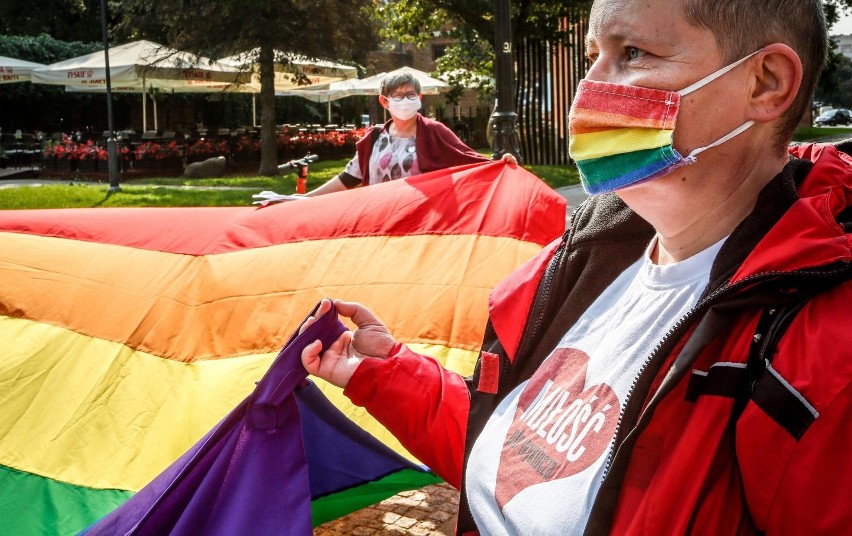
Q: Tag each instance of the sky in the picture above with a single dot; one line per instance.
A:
(843, 26)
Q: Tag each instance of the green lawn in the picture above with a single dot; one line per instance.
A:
(812, 133)
(171, 192)
(64, 196)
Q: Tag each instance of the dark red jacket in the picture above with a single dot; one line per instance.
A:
(437, 148)
(683, 462)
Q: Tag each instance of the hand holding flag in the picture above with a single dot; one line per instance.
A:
(337, 363)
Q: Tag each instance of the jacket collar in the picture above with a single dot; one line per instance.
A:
(808, 234)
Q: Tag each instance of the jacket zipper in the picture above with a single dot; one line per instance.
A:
(543, 290)
(699, 308)
(549, 274)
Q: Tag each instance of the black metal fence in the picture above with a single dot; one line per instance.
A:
(547, 74)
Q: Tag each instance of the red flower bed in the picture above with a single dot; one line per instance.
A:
(244, 148)
(150, 150)
(69, 150)
(331, 144)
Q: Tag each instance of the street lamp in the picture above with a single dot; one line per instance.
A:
(112, 162)
(504, 119)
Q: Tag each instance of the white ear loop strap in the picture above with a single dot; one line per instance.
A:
(713, 76)
(690, 158)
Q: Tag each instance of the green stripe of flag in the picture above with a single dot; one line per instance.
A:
(610, 167)
(33, 505)
(337, 505)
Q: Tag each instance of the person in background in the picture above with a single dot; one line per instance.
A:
(680, 361)
(408, 144)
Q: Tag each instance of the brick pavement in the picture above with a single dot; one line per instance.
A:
(428, 511)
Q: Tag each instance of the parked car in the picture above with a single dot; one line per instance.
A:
(839, 116)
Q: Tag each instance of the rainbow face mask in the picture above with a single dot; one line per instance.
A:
(621, 135)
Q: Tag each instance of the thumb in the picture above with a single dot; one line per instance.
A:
(311, 357)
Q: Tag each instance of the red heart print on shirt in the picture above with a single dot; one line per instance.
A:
(561, 426)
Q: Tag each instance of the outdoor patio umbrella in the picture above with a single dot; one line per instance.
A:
(327, 94)
(320, 73)
(12, 70)
(142, 64)
(373, 84)
(364, 86)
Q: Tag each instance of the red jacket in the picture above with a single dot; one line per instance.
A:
(436, 145)
(685, 461)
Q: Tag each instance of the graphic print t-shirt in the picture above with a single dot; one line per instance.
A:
(539, 461)
(392, 158)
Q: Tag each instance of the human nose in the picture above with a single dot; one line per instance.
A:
(599, 70)
(608, 68)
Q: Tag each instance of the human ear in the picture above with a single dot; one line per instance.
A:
(777, 76)
(383, 101)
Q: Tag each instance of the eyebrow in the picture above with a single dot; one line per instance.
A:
(614, 37)
(620, 36)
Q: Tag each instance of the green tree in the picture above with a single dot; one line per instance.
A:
(340, 30)
(469, 63)
(835, 82)
(65, 20)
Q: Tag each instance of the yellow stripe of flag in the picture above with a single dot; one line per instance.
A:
(618, 141)
(111, 418)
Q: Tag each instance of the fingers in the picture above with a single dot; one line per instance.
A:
(306, 324)
(337, 363)
(311, 357)
(360, 315)
(345, 308)
(324, 307)
(510, 158)
(341, 358)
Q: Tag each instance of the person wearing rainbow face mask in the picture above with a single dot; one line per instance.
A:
(679, 362)
(408, 144)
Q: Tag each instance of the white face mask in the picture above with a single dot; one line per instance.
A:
(404, 109)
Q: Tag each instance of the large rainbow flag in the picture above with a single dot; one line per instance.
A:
(127, 334)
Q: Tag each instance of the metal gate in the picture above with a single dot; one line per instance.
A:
(547, 74)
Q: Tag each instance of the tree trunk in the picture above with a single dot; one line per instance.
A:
(268, 133)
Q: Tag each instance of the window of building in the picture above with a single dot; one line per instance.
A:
(438, 51)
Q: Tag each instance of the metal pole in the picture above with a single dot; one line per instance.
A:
(112, 153)
(504, 119)
(144, 105)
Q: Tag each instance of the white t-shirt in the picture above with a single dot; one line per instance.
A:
(538, 464)
(392, 158)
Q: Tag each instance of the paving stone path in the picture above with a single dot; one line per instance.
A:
(428, 511)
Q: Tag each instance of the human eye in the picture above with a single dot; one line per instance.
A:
(411, 96)
(397, 97)
(634, 53)
(591, 57)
